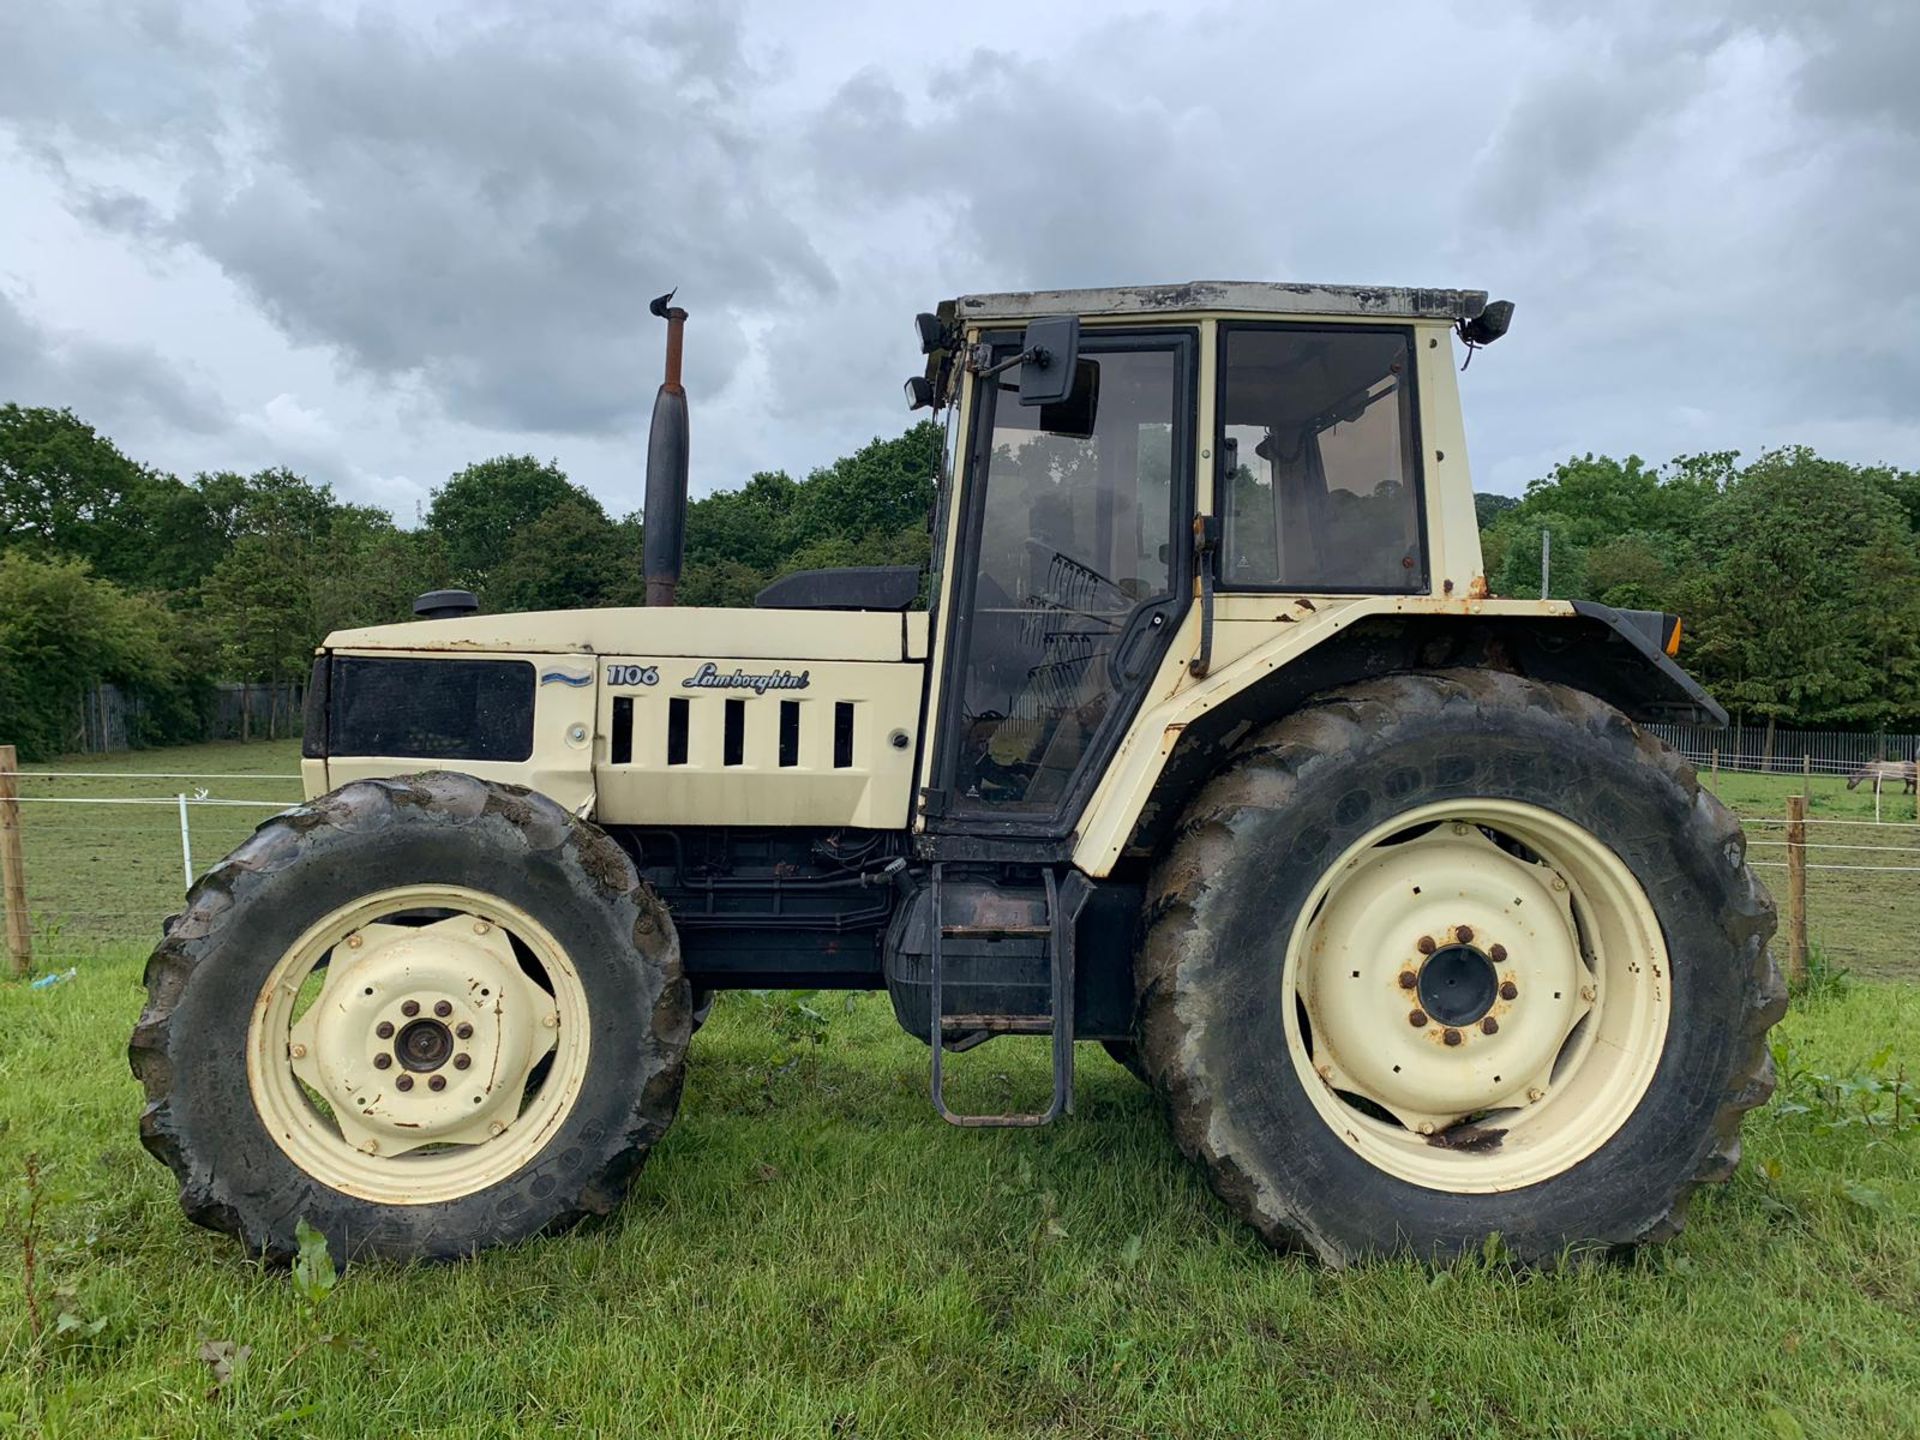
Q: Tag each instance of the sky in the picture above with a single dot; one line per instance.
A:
(375, 243)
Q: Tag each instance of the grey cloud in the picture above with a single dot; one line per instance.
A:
(1704, 207)
(488, 206)
(1054, 178)
(99, 379)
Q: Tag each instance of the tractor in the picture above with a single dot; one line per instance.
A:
(1203, 739)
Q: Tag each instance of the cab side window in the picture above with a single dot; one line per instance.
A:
(1319, 481)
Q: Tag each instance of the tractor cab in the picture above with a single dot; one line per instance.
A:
(1183, 456)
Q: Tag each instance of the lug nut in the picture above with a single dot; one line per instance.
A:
(1451, 1036)
(370, 1147)
(1464, 934)
(384, 1029)
(443, 1008)
(1408, 980)
(463, 1030)
(382, 1061)
(494, 1127)
(1489, 1026)
(462, 1061)
(354, 942)
(1498, 954)
(405, 1082)
(1536, 1095)
(410, 1009)
(298, 1052)
(481, 927)
(438, 1082)
(1508, 990)
(1587, 993)
(1417, 1019)
(1424, 944)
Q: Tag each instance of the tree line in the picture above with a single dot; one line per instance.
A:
(115, 571)
(1798, 576)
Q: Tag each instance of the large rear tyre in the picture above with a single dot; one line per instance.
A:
(427, 1016)
(1447, 956)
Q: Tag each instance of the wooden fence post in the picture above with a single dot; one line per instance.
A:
(1796, 890)
(13, 868)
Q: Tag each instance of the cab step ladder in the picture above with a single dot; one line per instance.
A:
(1064, 901)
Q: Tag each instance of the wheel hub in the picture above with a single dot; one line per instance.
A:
(1458, 985)
(424, 1046)
(423, 1035)
(1442, 977)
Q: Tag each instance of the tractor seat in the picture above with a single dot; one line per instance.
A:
(854, 587)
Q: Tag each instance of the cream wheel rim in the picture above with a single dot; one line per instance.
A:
(431, 1063)
(1477, 995)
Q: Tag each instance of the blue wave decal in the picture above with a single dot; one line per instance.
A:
(565, 679)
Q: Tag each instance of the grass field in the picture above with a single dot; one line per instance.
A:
(810, 1252)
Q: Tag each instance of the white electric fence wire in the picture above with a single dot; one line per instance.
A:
(1876, 869)
(1836, 845)
(146, 775)
(168, 800)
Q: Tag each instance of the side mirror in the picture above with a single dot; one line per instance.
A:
(1050, 352)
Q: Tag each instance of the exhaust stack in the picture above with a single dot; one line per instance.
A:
(665, 514)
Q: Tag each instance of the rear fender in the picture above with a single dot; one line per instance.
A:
(1608, 653)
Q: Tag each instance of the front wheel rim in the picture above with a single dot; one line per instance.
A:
(418, 1045)
(1477, 995)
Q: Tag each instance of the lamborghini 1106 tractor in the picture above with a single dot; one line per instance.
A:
(1210, 745)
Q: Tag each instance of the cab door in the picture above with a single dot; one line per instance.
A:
(1072, 571)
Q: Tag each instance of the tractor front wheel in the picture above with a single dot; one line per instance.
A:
(426, 1016)
(1448, 956)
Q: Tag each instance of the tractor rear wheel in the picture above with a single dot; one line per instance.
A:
(426, 1016)
(1447, 956)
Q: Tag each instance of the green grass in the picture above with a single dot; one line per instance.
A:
(810, 1252)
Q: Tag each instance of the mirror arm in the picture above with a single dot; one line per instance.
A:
(979, 361)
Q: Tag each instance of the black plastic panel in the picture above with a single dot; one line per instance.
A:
(431, 709)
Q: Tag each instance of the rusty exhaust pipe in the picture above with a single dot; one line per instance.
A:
(665, 512)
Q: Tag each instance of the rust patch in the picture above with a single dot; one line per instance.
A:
(1477, 588)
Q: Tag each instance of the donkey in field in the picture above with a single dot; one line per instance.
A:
(1883, 771)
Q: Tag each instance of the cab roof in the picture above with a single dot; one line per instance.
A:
(1253, 297)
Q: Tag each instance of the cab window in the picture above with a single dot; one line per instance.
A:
(1319, 480)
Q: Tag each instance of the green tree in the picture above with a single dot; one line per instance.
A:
(62, 630)
(883, 487)
(302, 564)
(571, 557)
(477, 512)
(1809, 609)
(66, 490)
(1488, 507)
